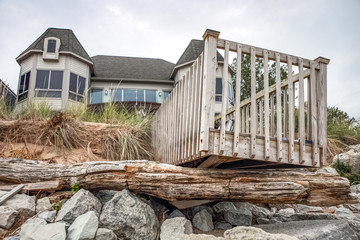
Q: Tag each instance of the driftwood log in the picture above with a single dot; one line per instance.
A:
(175, 183)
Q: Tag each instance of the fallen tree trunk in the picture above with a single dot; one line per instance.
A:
(175, 183)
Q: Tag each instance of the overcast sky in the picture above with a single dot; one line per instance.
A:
(163, 28)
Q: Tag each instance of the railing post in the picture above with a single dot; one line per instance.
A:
(321, 99)
(208, 87)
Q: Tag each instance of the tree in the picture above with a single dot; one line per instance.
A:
(259, 74)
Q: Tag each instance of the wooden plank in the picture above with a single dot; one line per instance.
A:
(272, 114)
(192, 110)
(308, 125)
(210, 161)
(261, 120)
(224, 98)
(36, 186)
(301, 113)
(208, 99)
(253, 121)
(10, 194)
(199, 103)
(285, 112)
(314, 116)
(237, 100)
(266, 106)
(243, 130)
(278, 109)
(180, 121)
(187, 113)
(291, 112)
(247, 109)
(323, 110)
(259, 52)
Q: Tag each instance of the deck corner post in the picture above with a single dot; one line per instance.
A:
(208, 87)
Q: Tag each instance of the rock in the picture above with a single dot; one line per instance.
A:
(238, 217)
(344, 213)
(8, 216)
(300, 208)
(105, 234)
(158, 207)
(249, 233)
(353, 207)
(286, 211)
(48, 216)
(129, 217)
(52, 231)
(105, 195)
(197, 237)
(16, 237)
(223, 206)
(314, 230)
(28, 228)
(223, 225)
(203, 221)
(327, 170)
(84, 227)
(280, 206)
(22, 203)
(258, 212)
(351, 158)
(82, 202)
(60, 195)
(263, 221)
(173, 227)
(355, 188)
(176, 213)
(43, 204)
(197, 209)
(355, 225)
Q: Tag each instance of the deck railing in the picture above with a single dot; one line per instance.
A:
(285, 122)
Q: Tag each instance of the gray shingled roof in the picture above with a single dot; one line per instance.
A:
(131, 68)
(68, 40)
(193, 51)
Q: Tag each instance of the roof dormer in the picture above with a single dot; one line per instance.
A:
(51, 48)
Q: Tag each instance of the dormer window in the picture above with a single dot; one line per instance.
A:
(51, 48)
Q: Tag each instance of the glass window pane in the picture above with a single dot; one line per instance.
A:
(51, 46)
(81, 86)
(22, 81)
(140, 95)
(73, 82)
(218, 98)
(48, 94)
(56, 80)
(117, 95)
(96, 96)
(166, 94)
(150, 95)
(22, 96)
(218, 86)
(26, 84)
(130, 95)
(42, 79)
(72, 96)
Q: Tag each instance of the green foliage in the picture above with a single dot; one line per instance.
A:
(344, 170)
(57, 206)
(75, 187)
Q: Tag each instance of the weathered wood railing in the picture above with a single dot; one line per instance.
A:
(269, 126)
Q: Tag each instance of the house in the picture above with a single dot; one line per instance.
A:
(56, 69)
(7, 95)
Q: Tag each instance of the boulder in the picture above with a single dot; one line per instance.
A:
(300, 208)
(22, 203)
(196, 237)
(176, 213)
(105, 195)
(355, 188)
(249, 233)
(355, 225)
(238, 217)
(105, 234)
(48, 216)
(173, 227)
(327, 170)
(28, 228)
(52, 231)
(84, 227)
(351, 158)
(158, 207)
(197, 209)
(203, 221)
(343, 213)
(8, 216)
(223, 206)
(43, 204)
(83, 201)
(353, 207)
(129, 217)
(16, 237)
(258, 212)
(223, 225)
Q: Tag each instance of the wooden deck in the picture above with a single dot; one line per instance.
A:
(281, 125)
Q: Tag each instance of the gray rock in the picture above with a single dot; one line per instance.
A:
(286, 211)
(263, 221)
(288, 217)
(355, 225)
(314, 230)
(105, 234)
(84, 227)
(355, 188)
(28, 228)
(129, 217)
(197, 209)
(238, 217)
(8, 216)
(280, 206)
(173, 227)
(300, 208)
(52, 231)
(248, 233)
(353, 207)
(16, 237)
(223, 206)
(344, 213)
(203, 221)
(258, 212)
(327, 170)
(223, 225)
(176, 213)
(196, 237)
(22, 203)
(351, 158)
(43, 204)
(105, 195)
(48, 216)
(158, 207)
(82, 202)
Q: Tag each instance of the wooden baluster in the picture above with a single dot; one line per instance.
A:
(278, 108)
(243, 129)
(185, 116)
(187, 112)
(314, 115)
(237, 101)
(308, 122)
(301, 112)
(224, 98)
(194, 107)
(261, 112)
(285, 112)
(266, 105)
(272, 108)
(291, 111)
(247, 118)
(181, 115)
(199, 103)
(253, 105)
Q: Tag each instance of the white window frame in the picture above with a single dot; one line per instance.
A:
(51, 55)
